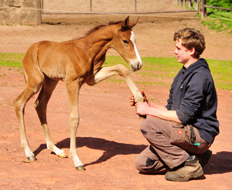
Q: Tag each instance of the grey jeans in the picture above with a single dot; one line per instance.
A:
(161, 156)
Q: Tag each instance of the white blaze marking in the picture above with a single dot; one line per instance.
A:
(132, 38)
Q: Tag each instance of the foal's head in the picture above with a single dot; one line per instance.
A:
(124, 43)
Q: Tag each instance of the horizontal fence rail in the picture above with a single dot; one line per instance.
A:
(204, 6)
(218, 8)
(91, 10)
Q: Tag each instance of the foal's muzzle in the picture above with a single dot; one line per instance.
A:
(136, 65)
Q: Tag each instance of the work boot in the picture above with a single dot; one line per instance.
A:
(191, 169)
(204, 158)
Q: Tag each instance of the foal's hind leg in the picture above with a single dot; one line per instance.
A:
(41, 108)
(32, 87)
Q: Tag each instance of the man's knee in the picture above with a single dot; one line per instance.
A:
(138, 164)
(141, 162)
(153, 126)
(144, 165)
(149, 127)
(150, 166)
(145, 126)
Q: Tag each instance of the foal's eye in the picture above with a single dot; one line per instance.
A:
(125, 42)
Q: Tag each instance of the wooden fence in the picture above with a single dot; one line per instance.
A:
(134, 12)
(197, 4)
(204, 6)
(183, 3)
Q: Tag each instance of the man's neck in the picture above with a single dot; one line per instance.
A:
(190, 62)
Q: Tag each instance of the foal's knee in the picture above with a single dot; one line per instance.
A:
(74, 120)
(123, 71)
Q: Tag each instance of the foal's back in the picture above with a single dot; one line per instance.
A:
(57, 59)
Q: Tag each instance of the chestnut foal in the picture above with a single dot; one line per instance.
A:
(75, 62)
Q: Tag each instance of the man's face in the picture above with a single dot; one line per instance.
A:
(183, 54)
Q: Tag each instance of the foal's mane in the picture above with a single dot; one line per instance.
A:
(101, 26)
(95, 29)
(98, 27)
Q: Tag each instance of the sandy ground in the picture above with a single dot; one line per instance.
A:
(108, 137)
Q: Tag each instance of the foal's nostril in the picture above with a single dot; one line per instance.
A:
(139, 65)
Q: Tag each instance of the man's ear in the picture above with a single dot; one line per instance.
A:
(192, 52)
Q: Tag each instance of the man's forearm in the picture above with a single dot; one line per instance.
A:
(169, 115)
(151, 104)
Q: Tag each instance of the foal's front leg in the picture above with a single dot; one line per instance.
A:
(73, 94)
(107, 72)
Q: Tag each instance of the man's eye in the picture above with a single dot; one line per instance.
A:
(125, 42)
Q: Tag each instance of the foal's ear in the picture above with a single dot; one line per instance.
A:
(134, 23)
(126, 25)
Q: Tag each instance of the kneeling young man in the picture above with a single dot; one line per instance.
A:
(181, 132)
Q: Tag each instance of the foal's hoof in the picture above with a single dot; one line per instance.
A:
(62, 155)
(30, 159)
(80, 168)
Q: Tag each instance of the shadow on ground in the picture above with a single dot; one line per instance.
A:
(220, 162)
(110, 148)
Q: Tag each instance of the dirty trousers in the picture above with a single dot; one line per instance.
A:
(161, 156)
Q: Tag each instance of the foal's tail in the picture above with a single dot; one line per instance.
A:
(31, 67)
(33, 78)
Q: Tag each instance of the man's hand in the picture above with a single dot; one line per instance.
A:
(132, 99)
(142, 108)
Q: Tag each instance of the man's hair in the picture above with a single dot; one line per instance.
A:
(191, 38)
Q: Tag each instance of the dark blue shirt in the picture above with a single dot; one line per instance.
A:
(193, 96)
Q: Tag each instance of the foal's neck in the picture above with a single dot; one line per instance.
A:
(100, 41)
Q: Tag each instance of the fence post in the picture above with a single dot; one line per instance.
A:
(181, 3)
(190, 4)
(203, 9)
(90, 6)
(197, 4)
(38, 12)
(135, 6)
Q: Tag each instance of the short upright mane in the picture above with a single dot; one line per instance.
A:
(117, 22)
(95, 29)
(101, 26)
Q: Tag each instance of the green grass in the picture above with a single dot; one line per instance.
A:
(219, 21)
(11, 59)
(162, 70)
(155, 71)
(221, 71)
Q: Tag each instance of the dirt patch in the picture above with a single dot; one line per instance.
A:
(108, 137)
